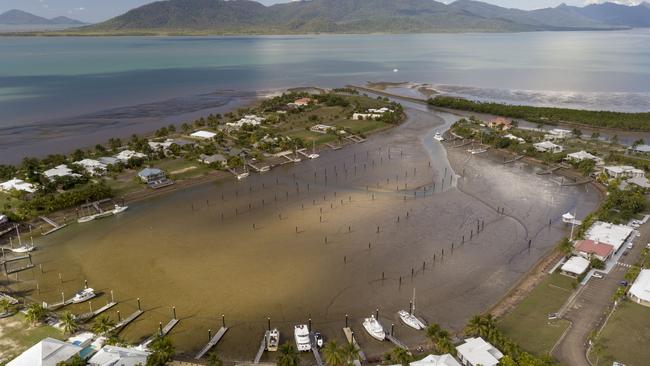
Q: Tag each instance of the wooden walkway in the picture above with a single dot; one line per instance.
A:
(165, 330)
(119, 326)
(89, 315)
(55, 226)
(262, 348)
(519, 157)
(396, 341)
(333, 147)
(24, 267)
(213, 342)
(314, 349)
(549, 171)
(349, 335)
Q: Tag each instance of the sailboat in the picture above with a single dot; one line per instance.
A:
(409, 318)
(22, 248)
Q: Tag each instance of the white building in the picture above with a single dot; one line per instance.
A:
(514, 138)
(60, 171)
(614, 235)
(48, 352)
(547, 146)
(118, 356)
(476, 351)
(249, 119)
(126, 155)
(321, 128)
(558, 134)
(18, 185)
(575, 266)
(623, 171)
(583, 155)
(161, 146)
(434, 360)
(371, 113)
(640, 289)
(205, 135)
(93, 167)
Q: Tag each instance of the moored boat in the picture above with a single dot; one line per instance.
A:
(273, 340)
(301, 336)
(438, 137)
(83, 295)
(410, 320)
(119, 209)
(374, 328)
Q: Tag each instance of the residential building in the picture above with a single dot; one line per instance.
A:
(204, 135)
(118, 356)
(150, 175)
(575, 266)
(60, 171)
(249, 119)
(321, 128)
(642, 149)
(48, 352)
(161, 146)
(302, 102)
(641, 182)
(126, 155)
(614, 235)
(623, 171)
(593, 249)
(434, 360)
(583, 155)
(476, 351)
(500, 123)
(108, 160)
(640, 290)
(18, 185)
(547, 146)
(93, 167)
(558, 134)
(366, 116)
(211, 159)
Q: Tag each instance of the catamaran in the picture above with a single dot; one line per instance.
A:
(301, 335)
(83, 295)
(438, 136)
(273, 340)
(374, 328)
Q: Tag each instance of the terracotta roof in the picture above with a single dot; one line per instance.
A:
(594, 247)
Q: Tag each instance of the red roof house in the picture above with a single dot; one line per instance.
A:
(595, 249)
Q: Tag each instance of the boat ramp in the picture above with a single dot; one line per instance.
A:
(213, 342)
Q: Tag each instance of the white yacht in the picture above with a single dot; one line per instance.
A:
(374, 328)
(438, 136)
(119, 209)
(301, 335)
(410, 320)
(273, 340)
(83, 295)
(23, 249)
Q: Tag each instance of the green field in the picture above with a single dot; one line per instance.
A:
(625, 337)
(16, 336)
(528, 324)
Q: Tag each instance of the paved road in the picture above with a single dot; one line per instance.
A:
(589, 308)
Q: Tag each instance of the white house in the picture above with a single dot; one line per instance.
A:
(547, 146)
(575, 266)
(60, 171)
(205, 135)
(92, 166)
(118, 356)
(434, 360)
(321, 128)
(604, 232)
(623, 171)
(161, 146)
(558, 134)
(48, 352)
(640, 289)
(476, 351)
(18, 185)
(126, 155)
(249, 119)
(583, 155)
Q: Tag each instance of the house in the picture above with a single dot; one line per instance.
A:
(249, 119)
(434, 360)
(514, 138)
(558, 134)
(547, 146)
(614, 235)
(641, 182)
(161, 146)
(640, 290)
(18, 185)
(381, 110)
(126, 155)
(118, 356)
(371, 113)
(204, 135)
(641, 149)
(581, 156)
(575, 266)
(108, 160)
(93, 167)
(48, 352)
(150, 175)
(476, 351)
(60, 171)
(302, 102)
(211, 159)
(321, 128)
(593, 249)
(500, 123)
(623, 171)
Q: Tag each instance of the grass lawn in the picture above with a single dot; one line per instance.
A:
(7, 202)
(625, 337)
(362, 126)
(16, 336)
(528, 324)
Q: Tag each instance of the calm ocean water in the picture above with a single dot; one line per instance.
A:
(55, 91)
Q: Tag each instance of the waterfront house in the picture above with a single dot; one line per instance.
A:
(500, 123)
(126, 155)
(161, 146)
(623, 171)
(18, 185)
(60, 171)
(211, 159)
(302, 102)
(249, 119)
(48, 352)
(476, 351)
(118, 356)
(148, 175)
(641, 149)
(575, 266)
(583, 155)
(204, 135)
(321, 128)
(640, 290)
(547, 146)
(514, 138)
(371, 113)
(593, 249)
(108, 160)
(93, 167)
(614, 235)
(558, 134)
(641, 182)
(435, 360)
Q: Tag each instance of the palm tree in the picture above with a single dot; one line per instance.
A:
(162, 351)
(5, 306)
(103, 324)
(334, 354)
(481, 325)
(433, 331)
(401, 356)
(351, 352)
(35, 313)
(214, 360)
(287, 355)
(69, 323)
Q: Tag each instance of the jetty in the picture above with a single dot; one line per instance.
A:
(333, 147)
(120, 325)
(549, 171)
(355, 138)
(349, 335)
(237, 174)
(60, 304)
(54, 224)
(213, 342)
(19, 268)
(396, 341)
(91, 314)
(163, 331)
(259, 169)
(262, 348)
(314, 349)
(519, 157)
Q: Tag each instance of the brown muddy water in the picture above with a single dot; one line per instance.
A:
(286, 259)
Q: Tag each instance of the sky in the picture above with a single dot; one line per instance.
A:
(93, 11)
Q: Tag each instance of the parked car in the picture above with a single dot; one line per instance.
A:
(597, 275)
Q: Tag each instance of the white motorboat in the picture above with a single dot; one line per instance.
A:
(313, 156)
(301, 335)
(374, 328)
(273, 340)
(410, 320)
(438, 137)
(83, 219)
(476, 151)
(23, 249)
(119, 209)
(83, 295)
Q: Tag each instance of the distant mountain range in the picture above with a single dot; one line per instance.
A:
(361, 16)
(19, 17)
